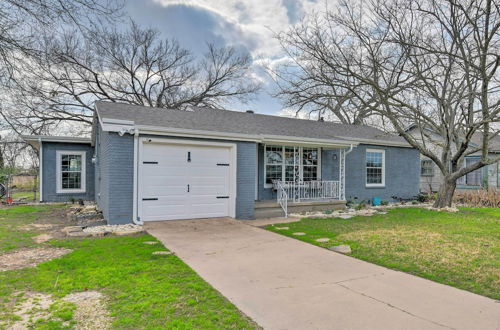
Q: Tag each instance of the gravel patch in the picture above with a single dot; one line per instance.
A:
(150, 242)
(114, 229)
(162, 253)
(282, 228)
(23, 258)
(90, 313)
(91, 310)
(321, 240)
(299, 234)
(33, 307)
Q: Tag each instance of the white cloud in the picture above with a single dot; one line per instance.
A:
(257, 19)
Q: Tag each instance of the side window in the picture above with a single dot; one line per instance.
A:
(427, 167)
(70, 171)
(375, 168)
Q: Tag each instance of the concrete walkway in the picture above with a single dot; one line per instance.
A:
(283, 283)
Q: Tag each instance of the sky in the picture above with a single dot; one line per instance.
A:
(247, 25)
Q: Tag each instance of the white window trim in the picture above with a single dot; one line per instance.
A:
(59, 154)
(379, 185)
(269, 185)
(431, 167)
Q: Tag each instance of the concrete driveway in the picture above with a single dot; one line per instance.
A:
(283, 283)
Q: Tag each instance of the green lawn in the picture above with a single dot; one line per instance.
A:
(459, 249)
(28, 195)
(144, 291)
(12, 219)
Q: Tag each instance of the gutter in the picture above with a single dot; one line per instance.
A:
(40, 170)
(135, 216)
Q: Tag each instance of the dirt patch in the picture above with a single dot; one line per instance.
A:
(91, 310)
(31, 308)
(23, 258)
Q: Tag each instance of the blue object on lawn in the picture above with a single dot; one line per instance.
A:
(376, 201)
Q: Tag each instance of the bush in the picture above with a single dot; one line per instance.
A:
(361, 205)
(423, 198)
(384, 203)
(478, 198)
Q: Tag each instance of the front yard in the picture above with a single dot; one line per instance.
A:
(139, 289)
(459, 249)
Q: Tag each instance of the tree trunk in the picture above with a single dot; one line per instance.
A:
(446, 191)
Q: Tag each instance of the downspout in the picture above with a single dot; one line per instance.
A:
(343, 166)
(40, 170)
(135, 215)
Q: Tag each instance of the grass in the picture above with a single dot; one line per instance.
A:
(459, 249)
(28, 195)
(12, 219)
(144, 291)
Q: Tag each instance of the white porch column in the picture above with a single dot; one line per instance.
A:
(342, 174)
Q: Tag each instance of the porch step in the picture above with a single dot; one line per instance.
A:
(271, 209)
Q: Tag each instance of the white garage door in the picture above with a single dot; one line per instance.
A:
(184, 181)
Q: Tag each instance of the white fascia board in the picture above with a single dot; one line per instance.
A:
(311, 142)
(245, 137)
(381, 142)
(183, 132)
(35, 140)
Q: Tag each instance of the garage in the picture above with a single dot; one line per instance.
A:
(185, 180)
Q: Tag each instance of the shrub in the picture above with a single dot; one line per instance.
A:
(478, 198)
(361, 205)
(423, 198)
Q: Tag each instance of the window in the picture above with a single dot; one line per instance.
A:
(309, 164)
(287, 162)
(473, 178)
(375, 168)
(70, 171)
(426, 167)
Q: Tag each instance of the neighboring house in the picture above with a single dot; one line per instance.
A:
(146, 164)
(483, 178)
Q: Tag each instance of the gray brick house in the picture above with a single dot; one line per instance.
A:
(149, 164)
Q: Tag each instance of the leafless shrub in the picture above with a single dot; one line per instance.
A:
(478, 198)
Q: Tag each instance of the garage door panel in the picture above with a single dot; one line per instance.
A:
(169, 174)
(165, 181)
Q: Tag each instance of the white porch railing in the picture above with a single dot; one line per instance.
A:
(305, 191)
(282, 197)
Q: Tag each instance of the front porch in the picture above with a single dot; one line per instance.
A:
(294, 179)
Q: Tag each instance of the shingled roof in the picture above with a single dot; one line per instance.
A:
(226, 121)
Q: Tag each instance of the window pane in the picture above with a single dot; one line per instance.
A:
(373, 175)
(374, 167)
(273, 172)
(75, 163)
(290, 172)
(310, 173)
(473, 178)
(374, 159)
(71, 180)
(426, 168)
(290, 154)
(274, 154)
(310, 156)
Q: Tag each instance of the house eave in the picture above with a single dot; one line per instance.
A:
(258, 138)
(36, 140)
(382, 142)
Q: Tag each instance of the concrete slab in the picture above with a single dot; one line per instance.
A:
(283, 283)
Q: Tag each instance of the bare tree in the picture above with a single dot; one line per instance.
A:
(306, 82)
(429, 63)
(135, 67)
(22, 22)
